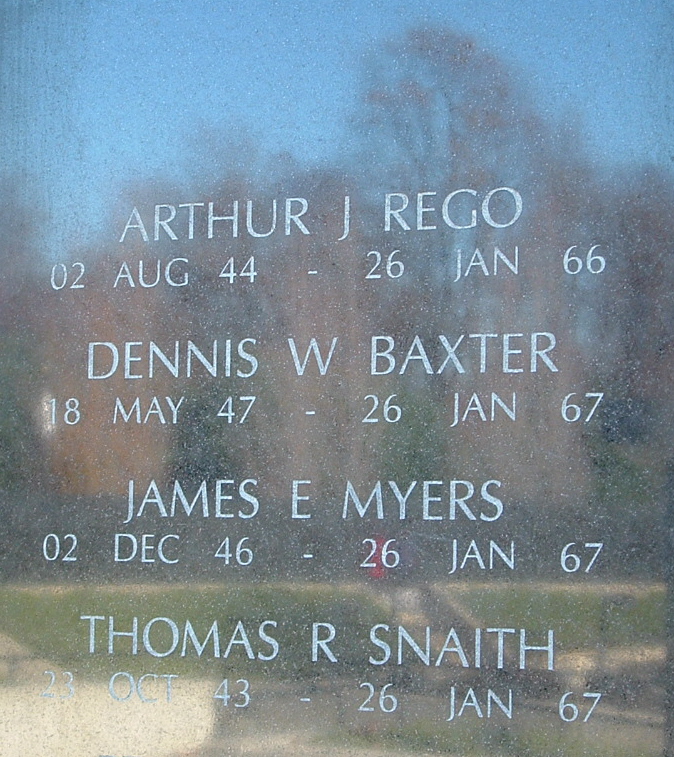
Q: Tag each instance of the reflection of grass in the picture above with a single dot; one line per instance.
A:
(514, 740)
(558, 740)
(581, 619)
(47, 621)
(423, 736)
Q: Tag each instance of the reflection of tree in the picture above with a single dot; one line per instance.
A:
(642, 320)
(439, 113)
(20, 451)
(438, 106)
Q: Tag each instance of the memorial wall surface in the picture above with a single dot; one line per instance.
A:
(335, 365)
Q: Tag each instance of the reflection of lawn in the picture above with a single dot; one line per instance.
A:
(47, 620)
(601, 614)
(542, 740)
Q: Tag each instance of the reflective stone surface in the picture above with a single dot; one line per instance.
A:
(336, 411)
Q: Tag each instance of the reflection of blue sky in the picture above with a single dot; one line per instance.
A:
(95, 94)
